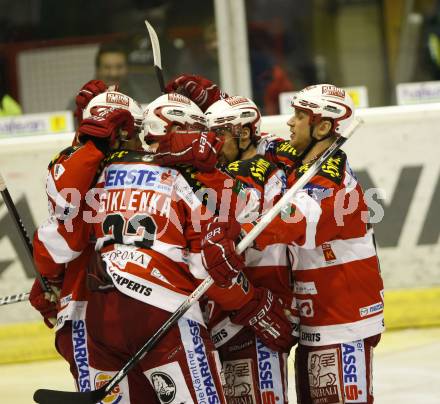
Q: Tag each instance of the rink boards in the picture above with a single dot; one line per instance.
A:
(395, 155)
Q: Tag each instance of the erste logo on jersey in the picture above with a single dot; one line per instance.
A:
(154, 178)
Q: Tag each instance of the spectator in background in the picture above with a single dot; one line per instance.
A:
(111, 66)
(269, 77)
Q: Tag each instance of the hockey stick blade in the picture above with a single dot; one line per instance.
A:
(44, 396)
(156, 55)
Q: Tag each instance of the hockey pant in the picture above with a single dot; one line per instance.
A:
(335, 374)
(71, 343)
(253, 372)
(183, 367)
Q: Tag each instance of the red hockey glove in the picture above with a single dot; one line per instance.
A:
(46, 302)
(218, 251)
(265, 314)
(197, 88)
(105, 123)
(87, 92)
(199, 149)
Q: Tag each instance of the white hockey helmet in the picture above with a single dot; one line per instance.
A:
(115, 99)
(168, 110)
(326, 101)
(235, 113)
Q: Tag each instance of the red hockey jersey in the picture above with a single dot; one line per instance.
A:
(338, 287)
(56, 252)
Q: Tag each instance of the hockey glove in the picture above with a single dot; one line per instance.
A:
(104, 123)
(218, 251)
(199, 149)
(265, 314)
(198, 89)
(87, 92)
(46, 302)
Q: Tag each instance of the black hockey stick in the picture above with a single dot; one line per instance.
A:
(21, 230)
(156, 56)
(21, 297)
(44, 396)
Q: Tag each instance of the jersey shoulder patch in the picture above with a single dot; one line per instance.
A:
(66, 153)
(126, 156)
(332, 169)
(256, 168)
(190, 175)
(285, 149)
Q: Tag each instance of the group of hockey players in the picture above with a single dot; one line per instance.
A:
(146, 204)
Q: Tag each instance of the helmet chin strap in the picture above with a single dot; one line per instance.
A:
(313, 141)
(241, 149)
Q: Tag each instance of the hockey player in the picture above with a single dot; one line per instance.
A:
(257, 182)
(55, 245)
(338, 287)
(237, 335)
(141, 266)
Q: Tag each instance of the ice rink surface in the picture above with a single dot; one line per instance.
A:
(406, 371)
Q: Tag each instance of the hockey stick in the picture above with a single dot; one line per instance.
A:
(21, 297)
(44, 396)
(21, 230)
(156, 56)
